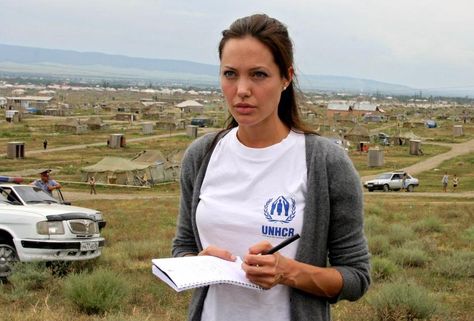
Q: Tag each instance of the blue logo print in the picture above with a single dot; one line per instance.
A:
(280, 209)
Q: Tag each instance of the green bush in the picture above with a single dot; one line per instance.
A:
(96, 293)
(468, 234)
(430, 224)
(373, 225)
(398, 234)
(402, 301)
(379, 244)
(30, 275)
(414, 257)
(382, 268)
(25, 279)
(456, 265)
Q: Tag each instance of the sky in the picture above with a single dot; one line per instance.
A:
(425, 44)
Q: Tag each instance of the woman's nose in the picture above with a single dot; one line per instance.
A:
(243, 88)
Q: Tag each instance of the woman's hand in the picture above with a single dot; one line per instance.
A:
(264, 270)
(270, 270)
(218, 252)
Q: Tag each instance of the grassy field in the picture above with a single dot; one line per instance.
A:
(423, 242)
(422, 246)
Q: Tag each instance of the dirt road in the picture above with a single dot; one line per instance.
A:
(435, 161)
(83, 146)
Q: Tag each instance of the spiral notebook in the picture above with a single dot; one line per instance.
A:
(183, 273)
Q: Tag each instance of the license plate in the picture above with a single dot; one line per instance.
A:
(89, 246)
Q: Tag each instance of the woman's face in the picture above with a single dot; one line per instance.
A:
(251, 82)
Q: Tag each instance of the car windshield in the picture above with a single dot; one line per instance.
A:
(32, 194)
(384, 176)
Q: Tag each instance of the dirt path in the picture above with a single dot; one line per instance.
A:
(82, 196)
(83, 146)
(435, 161)
(79, 196)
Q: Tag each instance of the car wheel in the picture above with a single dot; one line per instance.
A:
(386, 188)
(371, 190)
(8, 257)
(410, 188)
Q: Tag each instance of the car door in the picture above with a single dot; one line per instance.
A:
(396, 181)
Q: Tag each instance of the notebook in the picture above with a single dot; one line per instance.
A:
(183, 273)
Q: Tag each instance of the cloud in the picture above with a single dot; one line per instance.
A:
(423, 43)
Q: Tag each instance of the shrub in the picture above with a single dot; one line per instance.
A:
(373, 225)
(430, 224)
(398, 234)
(26, 278)
(382, 268)
(456, 265)
(96, 293)
(30, 275)
(414, 257)
(468, 234)
(379, 244)
(402, 301)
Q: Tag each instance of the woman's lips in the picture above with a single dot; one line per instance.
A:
(244, 108)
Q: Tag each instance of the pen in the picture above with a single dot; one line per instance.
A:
(282, 244)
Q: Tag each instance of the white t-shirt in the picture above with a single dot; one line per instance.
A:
(249, 195)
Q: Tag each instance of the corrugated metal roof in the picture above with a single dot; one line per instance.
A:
(339, 105)
(365, 105)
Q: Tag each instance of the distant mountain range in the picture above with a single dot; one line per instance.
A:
(100, 67)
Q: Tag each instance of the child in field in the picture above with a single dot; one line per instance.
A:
(455, 182)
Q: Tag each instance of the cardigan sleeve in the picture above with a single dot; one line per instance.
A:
(347, 247)
(184, 240)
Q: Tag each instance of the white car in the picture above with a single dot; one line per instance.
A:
(38, 231)
(392, 181)
(29, 195)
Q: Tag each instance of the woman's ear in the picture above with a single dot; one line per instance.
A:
(291, 72)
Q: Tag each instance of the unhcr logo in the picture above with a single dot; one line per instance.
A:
(280, 210)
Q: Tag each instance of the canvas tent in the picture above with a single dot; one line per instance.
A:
(403, 138)
(117, 170)
(71, 125)
(358, 133)
(149, 157)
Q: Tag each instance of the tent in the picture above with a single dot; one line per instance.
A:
(117, 170)
(357, 134)
(403, 138)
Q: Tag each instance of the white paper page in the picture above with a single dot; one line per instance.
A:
(194, 271)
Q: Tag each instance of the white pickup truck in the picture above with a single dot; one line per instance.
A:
(36, 227)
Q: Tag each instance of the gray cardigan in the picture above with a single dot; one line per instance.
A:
(332, 226)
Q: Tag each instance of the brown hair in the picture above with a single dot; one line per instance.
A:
(274, 35)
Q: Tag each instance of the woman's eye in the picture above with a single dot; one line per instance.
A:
(259, 74)
(228, 74)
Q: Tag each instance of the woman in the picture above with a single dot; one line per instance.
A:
(265, 179)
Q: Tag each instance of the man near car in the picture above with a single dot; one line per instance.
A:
(404, 182)
(46, 183)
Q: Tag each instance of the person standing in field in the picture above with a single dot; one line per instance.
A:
(45, 144)
(92, 185)
(445, 181)
(455, 182)
(263, 179)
